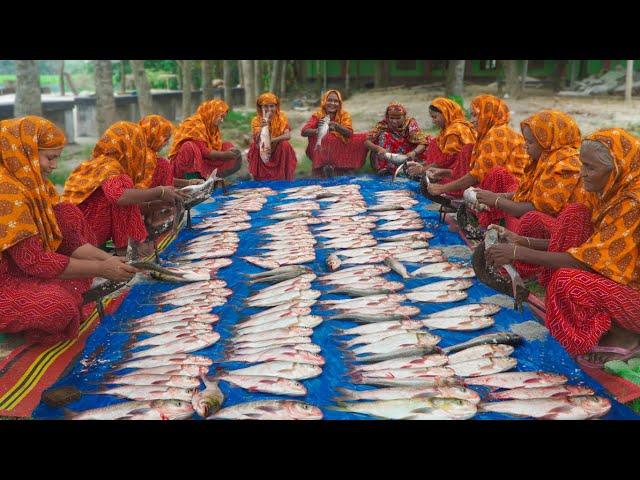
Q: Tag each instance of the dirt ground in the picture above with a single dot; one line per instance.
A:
(367, 107)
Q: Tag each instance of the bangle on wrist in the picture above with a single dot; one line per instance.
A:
(495, 204)
(528, 242)
(161, 193)
(515, 246)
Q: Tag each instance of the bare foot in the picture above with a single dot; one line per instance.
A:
(616, 337)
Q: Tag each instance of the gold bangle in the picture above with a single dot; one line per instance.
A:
(514, 250)
(161, 193)
(495, 204)
(528, 242)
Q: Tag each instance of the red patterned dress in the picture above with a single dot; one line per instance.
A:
(107, 219)
(32, 299)
(192, 157)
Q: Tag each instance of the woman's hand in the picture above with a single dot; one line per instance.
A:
(486, 197)
(196, 181)
(500, 254)
(170, 195)
(381, 152)
(116, 269)
(264, 122)
(435, 173)
(333, 126)
(436, 189)
(415, 169)
(507, 235)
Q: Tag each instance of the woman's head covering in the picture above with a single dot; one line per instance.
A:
(409, 128)
(457, 131)
(157, 131)
(26, 197)
(491, 112)
(278, 122)
(122, 150)
(342, 117)
(200, 126)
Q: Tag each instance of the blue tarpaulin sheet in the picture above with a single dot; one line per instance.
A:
(105, 345)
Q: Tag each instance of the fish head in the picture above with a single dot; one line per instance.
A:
(173, 409)
(293, 385)
(502, 349)
(579, 390)
(594, 406)
(209, 401)
(304, 411)
(333, 262)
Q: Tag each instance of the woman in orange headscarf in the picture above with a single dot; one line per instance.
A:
(447, 155)
(198, 148)
(157, 132)
(396, 133)
(46, 258)
(497, 146)
(593, 255)
(341, 151)
(115, 183)
(278, 160)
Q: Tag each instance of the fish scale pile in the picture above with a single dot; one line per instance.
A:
(393, 355)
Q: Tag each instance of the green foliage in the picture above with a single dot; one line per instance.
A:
(235, 119)
(458, 99)
(45, 80)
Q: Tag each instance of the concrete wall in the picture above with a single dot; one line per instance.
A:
(59, 111)
(168, 104)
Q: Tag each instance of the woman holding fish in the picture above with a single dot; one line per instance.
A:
(395, 134)
(114, 185)
(447, 154)
(271, 156)
(498, 145)
(592, 255)
(46, 258)
(333, 147)
(198, 148)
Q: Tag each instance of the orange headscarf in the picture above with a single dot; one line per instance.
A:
(278, 122)
(342, 117)
(614, 248)
(157, 131)
(121, 151)
(26, 197)
(199, 126)
(549, 183)
(498, 144)
(457, 132)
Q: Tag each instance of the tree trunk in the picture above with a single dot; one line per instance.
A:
(105, 102)
(240, 74)
(145, 100)
(61, 78)
(249, 87)
(123, 78)
(283, 78)
(179, 73)
(628, 86)
(276, 71)
(207, 88)
(324, 76)
(525, 68)
(257, 80)
(346, 79)
(557, 75)
(454, 84)
(28, 101)
(186, 87)
(226, 73)
(380, 76)
(512, 85)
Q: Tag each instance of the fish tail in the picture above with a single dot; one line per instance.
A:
(345, 393)
(129, 343)
(339, 407)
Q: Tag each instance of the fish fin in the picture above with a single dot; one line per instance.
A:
(339, 407)
(554, 412)
(346, 394)
(68, 413)
(129, 343)
(267, 408)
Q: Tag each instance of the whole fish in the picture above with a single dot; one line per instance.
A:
(426, 361)
(372, 300)
(164, 339)
(200, 300)
(302, 347)
(264, 144)
(298, 285)
(368, 290)
(483, 366)
(359, 282)
(184, 345)
(270, 410)
(469, 310)
(408, 236)
(212, 264)
(179, 326)
(323, 129)
(285, 297)
(285, 307)
(400, 393)
(398, 341)
(147, 392)
(208, 401)
(558, 391)
(266, 384)
(356, 271)
(168, 317)
(376, 337)
(418, 408)
(491, 338)
(166, 409)
(238, 227)
(289, 269)
(437, 297)
(376, 327)
(306, 205)
(288, 370)
(518, 380)
(291, 315)
(397, 266)
(209, 285)
(178, 381)
(444, 270)
(289, 260)
(403, 373)
(188, 370)
(465, 324)
(162, 360)
(248, 346)
(568, 408)
(284, 354)
(277, 333)
(396, 313)
(405, 225)
(481, 351)
(309, 321)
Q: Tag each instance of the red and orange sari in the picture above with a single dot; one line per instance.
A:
(157, 132)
